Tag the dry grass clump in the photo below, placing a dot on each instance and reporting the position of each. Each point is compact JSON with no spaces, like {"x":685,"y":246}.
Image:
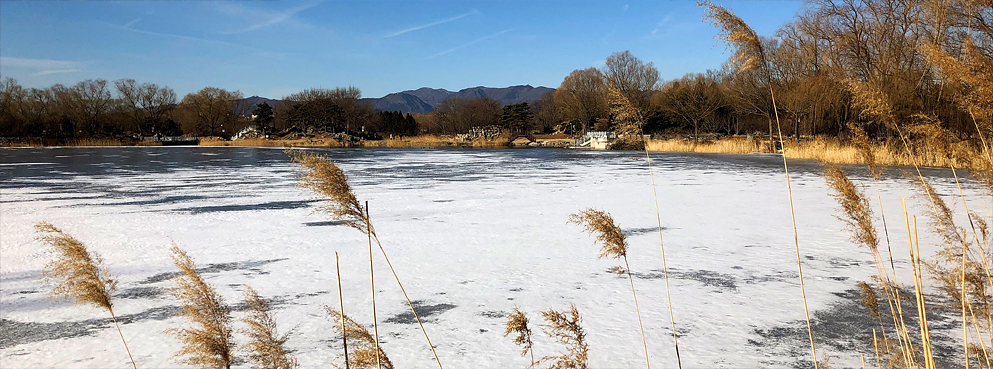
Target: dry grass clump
{"x":95,"y":142}
{"x":265,"y":346}
{"x":364,"y":352}
{"x":723,"y":146}
{"x":517,"y":323}
{"x":567,"y":329}
{"x":80,"y":276}
{"x":208,"y":344}
{"x":330,"y":183}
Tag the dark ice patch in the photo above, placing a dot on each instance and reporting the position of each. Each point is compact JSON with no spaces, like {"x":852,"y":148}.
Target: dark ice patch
{"x":493,"y":314}
{"x":846,"y":326}
{"x":423,"y":311}
{"x":329,"y":223}
{"x":139,"y":293}
{"x":640,"y":231}
{"x":19,"y":333}
{"x":721,"y":281}
{"x":274,"y":205}
{"x":252,"y":266}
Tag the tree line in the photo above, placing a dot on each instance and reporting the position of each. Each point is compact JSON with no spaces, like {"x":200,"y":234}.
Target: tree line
{"x":837,"y":63}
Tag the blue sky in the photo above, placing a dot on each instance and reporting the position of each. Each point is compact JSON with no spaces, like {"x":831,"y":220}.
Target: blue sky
{"x":274,"y":48}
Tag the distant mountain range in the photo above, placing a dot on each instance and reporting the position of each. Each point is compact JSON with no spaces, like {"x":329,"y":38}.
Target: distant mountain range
{"x":424,"y":99}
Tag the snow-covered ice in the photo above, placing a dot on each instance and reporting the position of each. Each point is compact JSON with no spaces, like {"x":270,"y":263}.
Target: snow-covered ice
{"x":472,"y":234}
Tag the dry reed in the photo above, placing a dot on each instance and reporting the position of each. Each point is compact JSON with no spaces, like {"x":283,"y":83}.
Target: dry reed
{"x":265,"y":345}
{"x":749,"y":54}
{"x":325,"y":178}
{"x":517,"y":323}
{"x":365,"y":351}
{"x":80,"y":275}
{"x":614,"y":246}
{"x":566,"y":328}
{"x":855,"y":206}
{"x":330,"y":183}
{"x":208,"y":344}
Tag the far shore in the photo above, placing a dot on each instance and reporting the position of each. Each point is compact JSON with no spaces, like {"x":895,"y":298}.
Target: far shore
{"x":826,"y":149}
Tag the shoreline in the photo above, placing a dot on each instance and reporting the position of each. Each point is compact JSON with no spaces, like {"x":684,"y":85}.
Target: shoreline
{"x":825,"y":149}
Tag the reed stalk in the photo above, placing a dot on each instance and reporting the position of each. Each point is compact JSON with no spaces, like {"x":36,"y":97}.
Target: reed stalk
{"x":665,"y":266}
{"x":341,"y":314}
{"x":614,"y":246}
{"x":372,"y":288}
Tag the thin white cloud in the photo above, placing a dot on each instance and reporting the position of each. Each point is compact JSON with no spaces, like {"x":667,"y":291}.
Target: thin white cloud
{"x":470,"y":43}
{"x":659,"y":27}
{"x":38,"y":64}
{"x":131,"y":23}
{"x":170,"y":35}
{"x":626,"y":6}
{"x":47,"y":72}
{"x":275,"y":18}
{"x":423,"y":26}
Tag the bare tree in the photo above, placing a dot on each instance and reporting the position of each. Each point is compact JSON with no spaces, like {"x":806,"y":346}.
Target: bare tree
{"x":211,"y":109}
{"x":582,"y":98}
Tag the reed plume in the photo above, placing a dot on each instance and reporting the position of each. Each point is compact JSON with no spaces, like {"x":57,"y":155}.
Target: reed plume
{"x":601,"y":224}
{"x":208,"y":343}
{"x":614,"y":246}
{"x":566,"y":328}
{"x":866,"y":150}
{"x":80,"y":275}
{"x":330,"y":183}
{"x":855,"y":206}
{"x":517,"y":323}
{"x":747,"y":52}
{"x":364,"y":352}
{"x":265,"y":345}
{"x":869,"y":298}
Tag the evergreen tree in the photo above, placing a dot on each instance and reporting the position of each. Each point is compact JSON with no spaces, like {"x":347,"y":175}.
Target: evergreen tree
{"x":263,"y":117}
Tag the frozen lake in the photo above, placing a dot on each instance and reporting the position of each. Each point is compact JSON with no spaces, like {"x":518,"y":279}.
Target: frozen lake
{"x":472,"y":234}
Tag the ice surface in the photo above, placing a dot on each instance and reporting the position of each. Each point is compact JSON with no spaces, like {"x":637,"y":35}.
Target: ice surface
{"x":472,"y":234}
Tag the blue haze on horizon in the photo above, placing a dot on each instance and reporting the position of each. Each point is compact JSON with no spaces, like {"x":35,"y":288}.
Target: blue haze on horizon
{"x":274,"y":48}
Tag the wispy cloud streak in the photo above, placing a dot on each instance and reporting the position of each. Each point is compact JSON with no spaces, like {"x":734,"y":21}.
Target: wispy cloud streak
{"x":171,"y":35}
{"x":131,"y":23}
{"x":47,"y":72}
{"x":470,"y":43}
{"x":276,"y":18}
{"x":423,"y":26}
